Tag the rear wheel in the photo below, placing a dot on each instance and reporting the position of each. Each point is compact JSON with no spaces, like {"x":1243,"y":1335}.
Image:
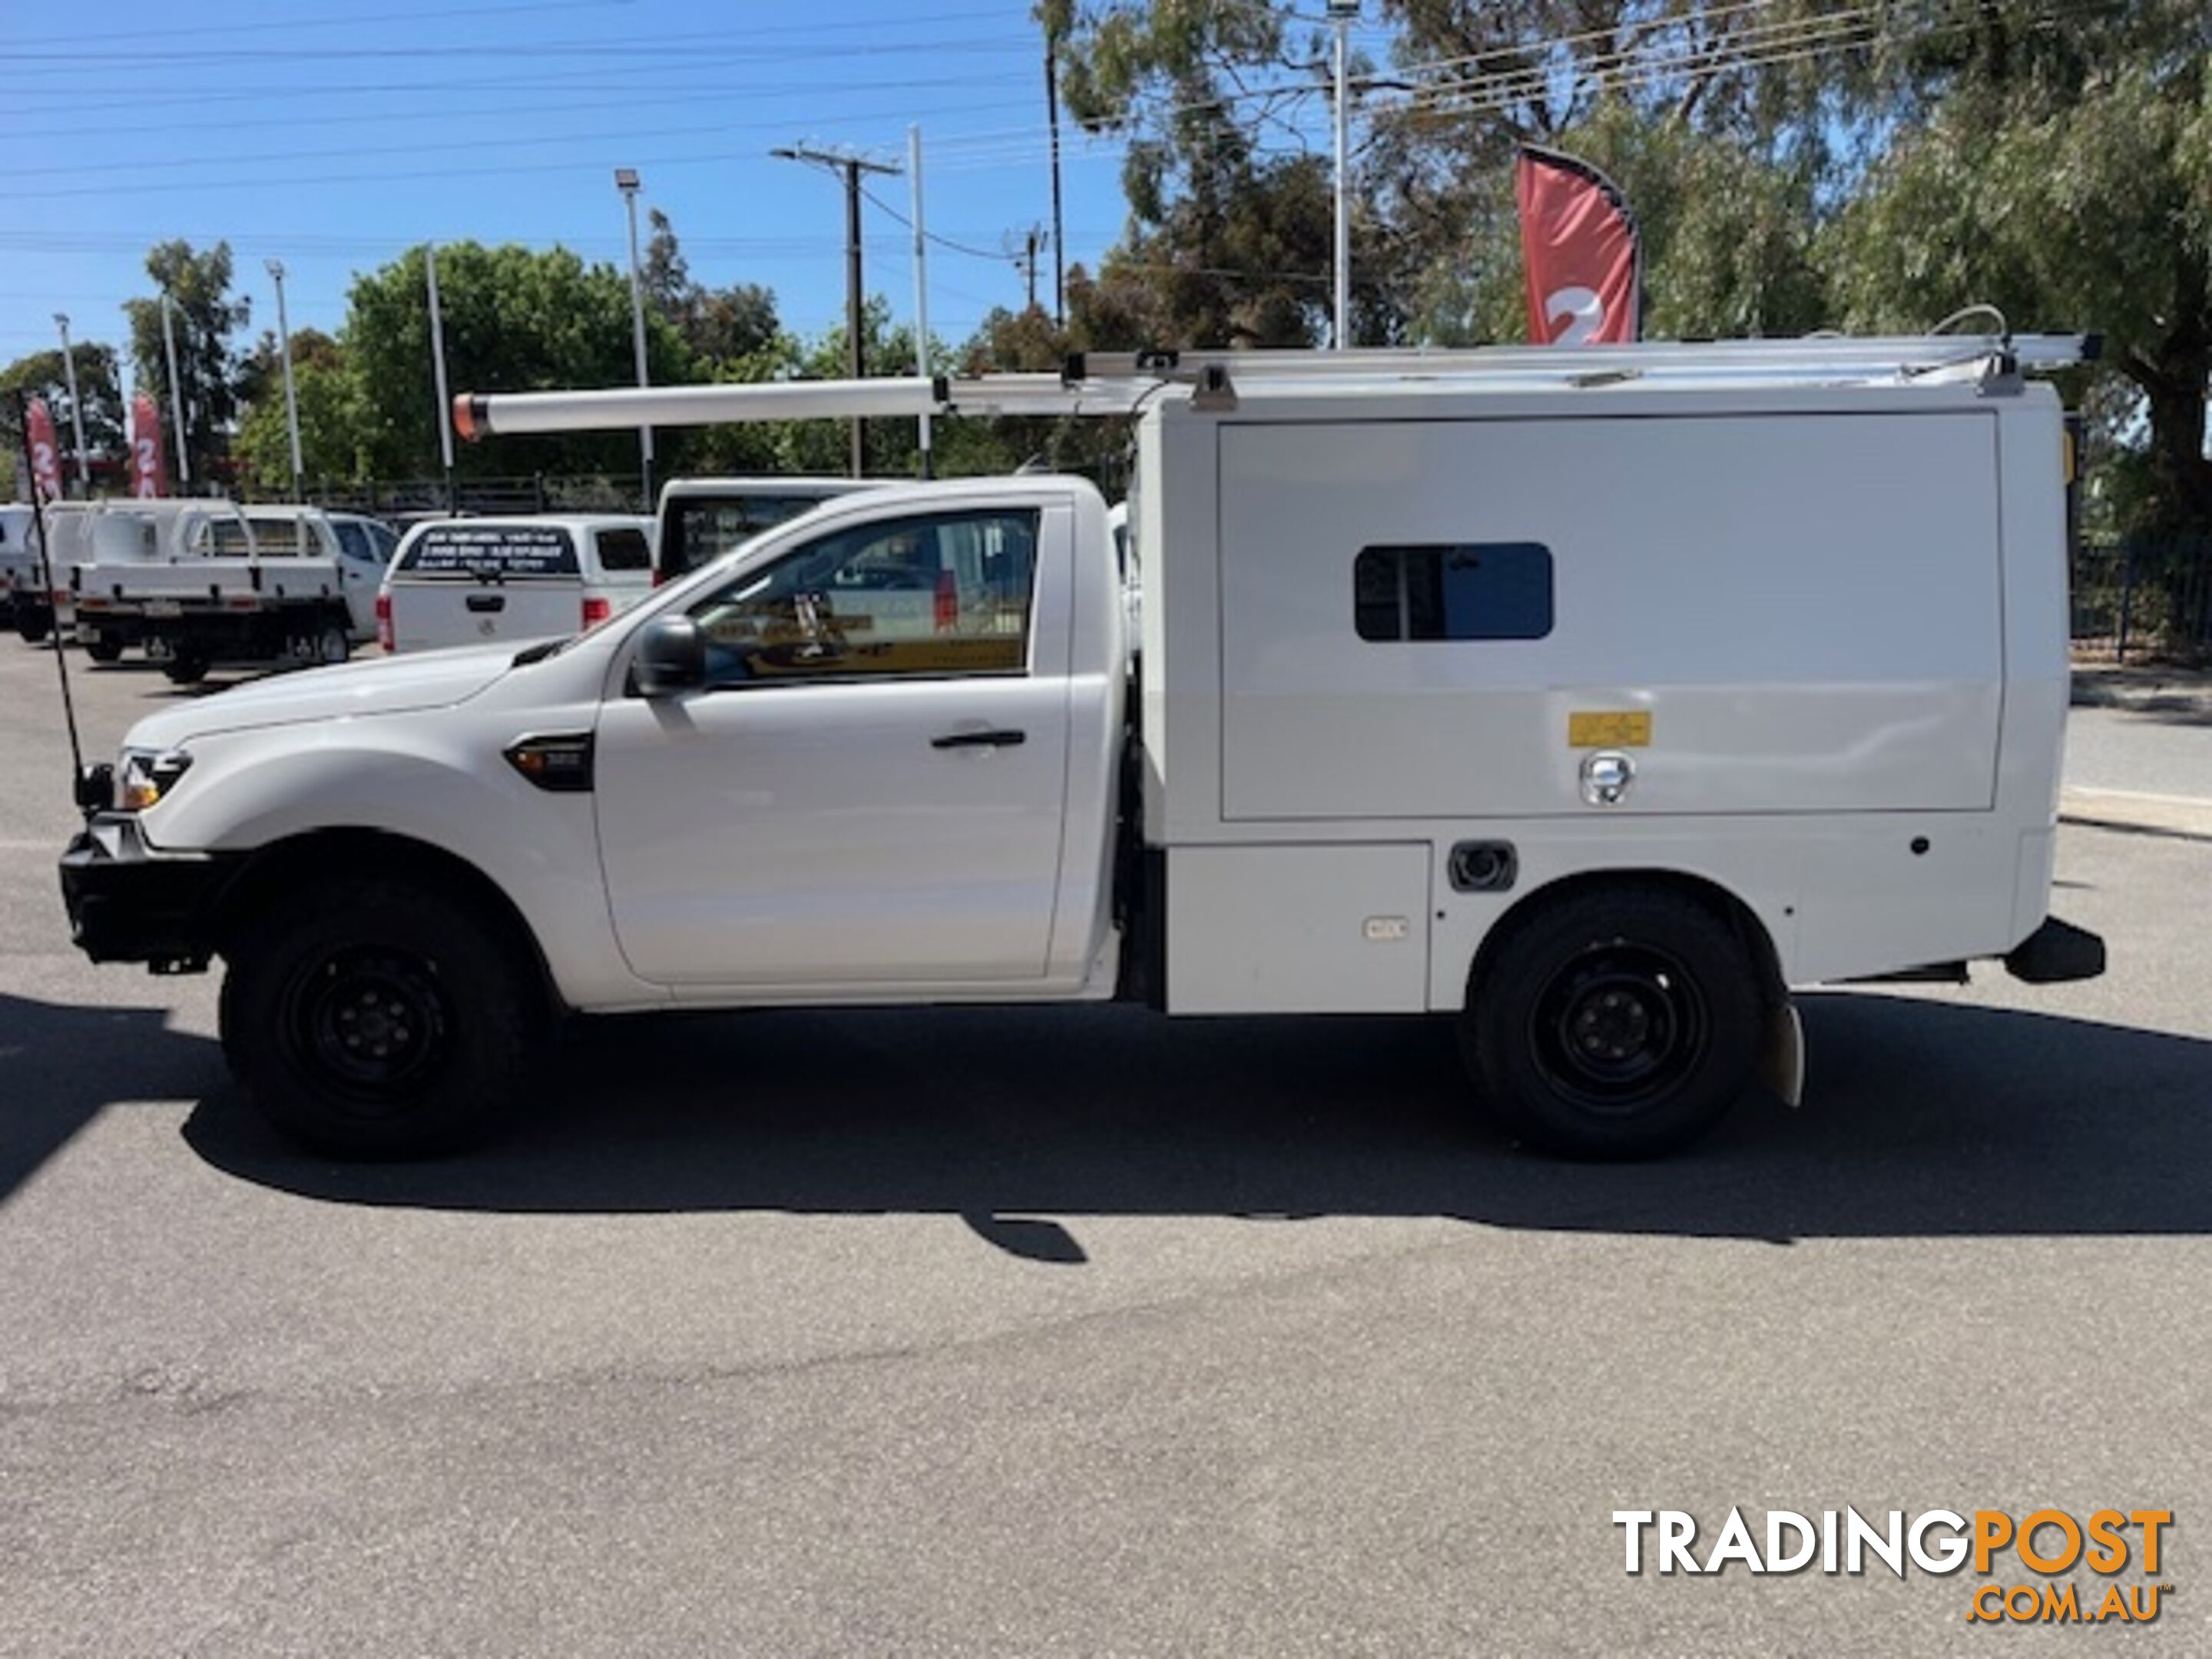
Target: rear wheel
{"x":331,"y":645}
{"x":32,"y":626}
{"x":186,"y":668}
{"x":1621,"y":1022}
{"x":382,"y":1019}
{"x":104,"y":650}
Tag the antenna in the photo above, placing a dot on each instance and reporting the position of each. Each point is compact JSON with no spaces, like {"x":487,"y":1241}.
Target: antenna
{"x":80,"y":790}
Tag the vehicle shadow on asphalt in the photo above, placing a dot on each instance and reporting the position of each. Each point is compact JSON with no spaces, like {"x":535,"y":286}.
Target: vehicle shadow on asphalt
{"x":60,"y":1066}
{"x":1924,"y":1117}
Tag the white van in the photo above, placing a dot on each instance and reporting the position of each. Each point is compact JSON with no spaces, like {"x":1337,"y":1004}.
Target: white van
{"x":468,"y":581}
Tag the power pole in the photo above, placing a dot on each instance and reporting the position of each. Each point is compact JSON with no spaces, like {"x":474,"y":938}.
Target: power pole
{"x":850,"y":166}
{"x":1025,"y":258}
{"x":1059,"y":236}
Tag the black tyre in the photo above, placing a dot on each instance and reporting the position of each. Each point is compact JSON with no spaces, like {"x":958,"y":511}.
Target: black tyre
{"x":32,"y":627}
{"x":382,"y":1019}
{"x":185,"y":668}
{"x":104,"y":650}
{"x":1617,"y":1023}
{"x":331,"y":645}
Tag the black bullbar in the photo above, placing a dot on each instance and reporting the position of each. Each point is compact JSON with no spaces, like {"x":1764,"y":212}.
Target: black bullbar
{"x":130,"y":903}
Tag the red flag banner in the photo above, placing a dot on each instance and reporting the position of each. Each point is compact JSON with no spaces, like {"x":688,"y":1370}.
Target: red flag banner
{"x":149,"y":471}
{"x":1579,"y":247}
{"x":45,"y":455}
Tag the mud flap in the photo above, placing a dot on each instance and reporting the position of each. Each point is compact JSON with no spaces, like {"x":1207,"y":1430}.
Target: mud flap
{"x":1781,"y":1063}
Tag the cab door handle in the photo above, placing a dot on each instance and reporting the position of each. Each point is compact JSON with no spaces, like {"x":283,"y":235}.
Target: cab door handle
{"x":1000,"y":739}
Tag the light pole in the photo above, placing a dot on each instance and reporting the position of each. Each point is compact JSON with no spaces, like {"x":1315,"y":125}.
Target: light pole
{"x":438,"y":369}
{"x":1340,"y":15}
{"x":291,"y":399}
{"x":626,"y":181}
{"x":176,"y":392}
{"x":921,"y":294}
{"x":77,"y":409}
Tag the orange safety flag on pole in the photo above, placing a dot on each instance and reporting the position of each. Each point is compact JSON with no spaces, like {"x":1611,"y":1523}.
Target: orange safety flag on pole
{"x":1578,"y":247}
{"x":149,"y":469}
{"x":46,"y":456}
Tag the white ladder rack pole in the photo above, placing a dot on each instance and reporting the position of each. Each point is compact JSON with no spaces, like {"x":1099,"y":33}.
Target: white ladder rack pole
{"x":1101,"y":384}
{"x":1897,"y":353}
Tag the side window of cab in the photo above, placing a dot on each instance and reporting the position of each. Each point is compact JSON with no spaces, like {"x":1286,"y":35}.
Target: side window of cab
{"x":928,"y":595}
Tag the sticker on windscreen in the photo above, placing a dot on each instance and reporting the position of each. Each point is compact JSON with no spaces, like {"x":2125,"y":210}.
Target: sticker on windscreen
{"x":494,"y":552}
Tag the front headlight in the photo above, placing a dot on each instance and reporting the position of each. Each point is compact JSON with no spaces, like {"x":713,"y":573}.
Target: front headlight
{"x":146,"y":775}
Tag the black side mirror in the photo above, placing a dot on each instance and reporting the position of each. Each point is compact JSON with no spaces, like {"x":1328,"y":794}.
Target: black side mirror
{"x":671,"y":658}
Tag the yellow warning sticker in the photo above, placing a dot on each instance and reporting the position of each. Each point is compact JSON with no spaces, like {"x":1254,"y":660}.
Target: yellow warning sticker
{"x":1609,"y":729}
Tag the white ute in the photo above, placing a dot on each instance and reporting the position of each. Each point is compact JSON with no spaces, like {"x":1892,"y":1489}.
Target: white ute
{"x":1591,"y":698}
{"x":462,"y":581}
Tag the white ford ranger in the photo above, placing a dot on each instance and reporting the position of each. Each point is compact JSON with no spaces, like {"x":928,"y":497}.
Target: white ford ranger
{"x":1424,"y":720}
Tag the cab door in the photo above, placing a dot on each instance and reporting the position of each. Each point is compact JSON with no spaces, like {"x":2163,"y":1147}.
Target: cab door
{"x":869,"y":790}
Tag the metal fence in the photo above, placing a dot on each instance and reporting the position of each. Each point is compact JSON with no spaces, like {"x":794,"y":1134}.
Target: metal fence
{"x":2142,"y":598}
{"x":411,"y":498}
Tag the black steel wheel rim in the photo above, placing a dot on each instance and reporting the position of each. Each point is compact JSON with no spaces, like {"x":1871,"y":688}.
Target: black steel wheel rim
{"x":1618,"y":1027}
{"x":370,"y":1022}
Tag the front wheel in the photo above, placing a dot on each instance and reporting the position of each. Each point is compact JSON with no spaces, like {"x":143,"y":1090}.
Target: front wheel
{"x":382,"y":1019}
{"x":1621,"y":1022}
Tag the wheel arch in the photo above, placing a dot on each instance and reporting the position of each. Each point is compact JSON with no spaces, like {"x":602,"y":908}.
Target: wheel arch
{"x":1739,"y":916}
{"x":269,"y":875}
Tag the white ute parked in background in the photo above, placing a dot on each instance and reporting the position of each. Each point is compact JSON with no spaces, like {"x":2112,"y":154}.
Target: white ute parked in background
{"x":1592,"y":698}
{"x":464,"y":581}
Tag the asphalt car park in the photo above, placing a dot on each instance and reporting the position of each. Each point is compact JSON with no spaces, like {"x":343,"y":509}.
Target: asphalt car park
{"x":1079,"y":1330}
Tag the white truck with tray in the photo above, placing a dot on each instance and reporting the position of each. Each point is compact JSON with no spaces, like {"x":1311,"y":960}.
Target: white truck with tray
{"x":268,"y":585}
{"x":1591,"y":699}
{"x":108,"y":539}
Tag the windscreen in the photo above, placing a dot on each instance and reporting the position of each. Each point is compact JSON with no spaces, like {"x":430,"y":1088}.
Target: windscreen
{"x":491,"y":552}
{"x":700,"y":528}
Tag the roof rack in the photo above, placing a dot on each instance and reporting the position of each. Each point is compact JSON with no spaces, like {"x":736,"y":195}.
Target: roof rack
{"x":1116,"y":383}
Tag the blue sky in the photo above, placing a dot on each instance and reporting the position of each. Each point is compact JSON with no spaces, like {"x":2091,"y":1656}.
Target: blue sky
{"x":333,"y":137}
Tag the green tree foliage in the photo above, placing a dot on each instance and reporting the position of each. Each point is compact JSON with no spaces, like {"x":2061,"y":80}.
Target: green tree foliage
{"x":334,"y":413}
{"x":1792,"y":164}
{"x":41,"y":375}
{"x":1228,"y":244}
{"x":204,"y":316}
{"x":2064,"y":175}
{"x":726,"y":330}
{"x":515,"y":320}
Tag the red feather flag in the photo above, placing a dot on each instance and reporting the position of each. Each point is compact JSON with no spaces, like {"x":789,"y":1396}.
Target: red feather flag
{"x":1579,"y":247}
{"x":149,"y":469}
{"x":45,"y":454}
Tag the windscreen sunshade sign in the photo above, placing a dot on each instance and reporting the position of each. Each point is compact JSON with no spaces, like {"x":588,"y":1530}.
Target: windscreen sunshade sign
{"x":1579,"y":247}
